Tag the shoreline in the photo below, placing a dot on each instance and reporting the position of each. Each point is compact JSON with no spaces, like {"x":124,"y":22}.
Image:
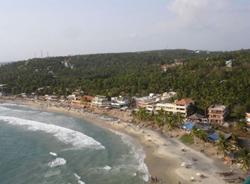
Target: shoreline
{"x":164,"y":155}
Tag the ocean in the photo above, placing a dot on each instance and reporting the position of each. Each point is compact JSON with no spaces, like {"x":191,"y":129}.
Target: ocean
{"x":38,"y":147}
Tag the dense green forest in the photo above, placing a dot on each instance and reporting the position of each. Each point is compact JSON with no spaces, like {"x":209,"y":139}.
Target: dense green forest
{"x":203,"y":76}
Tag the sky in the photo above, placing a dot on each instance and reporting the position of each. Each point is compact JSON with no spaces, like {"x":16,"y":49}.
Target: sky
{"x":36,"y":28}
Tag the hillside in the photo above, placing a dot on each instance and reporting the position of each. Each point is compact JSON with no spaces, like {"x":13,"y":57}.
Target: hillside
{"x":202,"y":76}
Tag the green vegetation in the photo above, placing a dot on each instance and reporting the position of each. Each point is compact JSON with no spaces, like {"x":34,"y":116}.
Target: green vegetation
{"x":187,"y":139}
{"x":161,"y":118}
{"x":203,"y":77}
{"x":201,"y":134}
{"x":244,"y":158}
{"x":223,"y":144}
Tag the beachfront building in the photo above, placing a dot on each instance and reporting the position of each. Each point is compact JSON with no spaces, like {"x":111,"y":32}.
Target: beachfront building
{"x":22,"y":95}
{"x":50,"y":97}
{"x":71,"y":97}
{"x":248,"y":118}
{"x":119,"y":102}
{"x":182,"y":106}
{"x":198,"y":118}
{"x":217,"y":114}
{"x":87,"y":98}
{"x":77,"y":104}
{"x":150,"y":108}
{"x":100,"y":101}
{"x":143,"y":102}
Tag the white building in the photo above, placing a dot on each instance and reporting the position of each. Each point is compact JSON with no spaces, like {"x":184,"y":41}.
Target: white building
{"x":143,"y":102}
{"x":150,"y":108}
{"x":180,"y":106}
{"x":248,"y":118}
{"x":119,"y":102}
{"x":100,"y":101}
{"x":51,"y":97}
{"x":71,"y":97}
{"x":23,"y":95}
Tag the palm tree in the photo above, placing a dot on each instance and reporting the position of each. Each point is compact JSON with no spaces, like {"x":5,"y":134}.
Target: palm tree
{"x":222,"y":144}
{"x":142,"y":114}
{"x":194,"y":134}
{"x":170,"y":121}
{"x":179,"y":119}
{"x":160,"y":117}
{"x":201,"y":134}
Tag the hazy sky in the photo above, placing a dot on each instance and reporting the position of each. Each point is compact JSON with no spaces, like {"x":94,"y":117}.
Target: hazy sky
{"x":67,"y":27}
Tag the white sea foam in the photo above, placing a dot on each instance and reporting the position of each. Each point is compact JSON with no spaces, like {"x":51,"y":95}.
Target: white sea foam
{"x":107,"y":168}
{"x":138,"y":153}
{"x":76,"y":139}
{"x":57,"y":162}
{"x":79,"y":181}
{"x":77,"y":176}
{"x":2,"y":108}
{"x":53,"y":154}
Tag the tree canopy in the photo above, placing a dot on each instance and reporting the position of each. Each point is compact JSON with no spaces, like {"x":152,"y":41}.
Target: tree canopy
{"x":203,"y":77}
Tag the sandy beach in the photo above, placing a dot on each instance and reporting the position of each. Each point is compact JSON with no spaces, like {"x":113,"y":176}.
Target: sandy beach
{"x":167,"y":158}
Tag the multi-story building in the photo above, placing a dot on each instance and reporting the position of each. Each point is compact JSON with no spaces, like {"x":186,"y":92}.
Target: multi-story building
{"x":87,"y":98}
{"x":120,"y":101}
{"x":143,"y":102}
{"x":100,"y":101}
{"x":217,"y":114}
{"x":179,"y":106}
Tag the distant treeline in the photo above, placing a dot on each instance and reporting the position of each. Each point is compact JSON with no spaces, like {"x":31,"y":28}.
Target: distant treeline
{"x":203,"y":76}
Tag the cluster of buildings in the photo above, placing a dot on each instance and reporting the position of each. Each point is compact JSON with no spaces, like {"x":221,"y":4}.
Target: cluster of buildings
{"x":156,"y":102}
{"x":216,"y":114}
{"x":113,"y":102}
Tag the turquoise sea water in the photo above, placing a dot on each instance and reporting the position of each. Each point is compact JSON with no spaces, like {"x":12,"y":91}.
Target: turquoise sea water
{"x":51,"y":148}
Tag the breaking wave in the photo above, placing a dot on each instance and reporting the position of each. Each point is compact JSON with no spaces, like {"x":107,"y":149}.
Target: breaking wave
{"x":2,"y":108}
{"x":53,"y":154}
{"x":138,"y":154}
{"x":57,"y":162}
{"x":79,"y":181}
{"x":76,"y":139}
{"x":107,"y":168}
